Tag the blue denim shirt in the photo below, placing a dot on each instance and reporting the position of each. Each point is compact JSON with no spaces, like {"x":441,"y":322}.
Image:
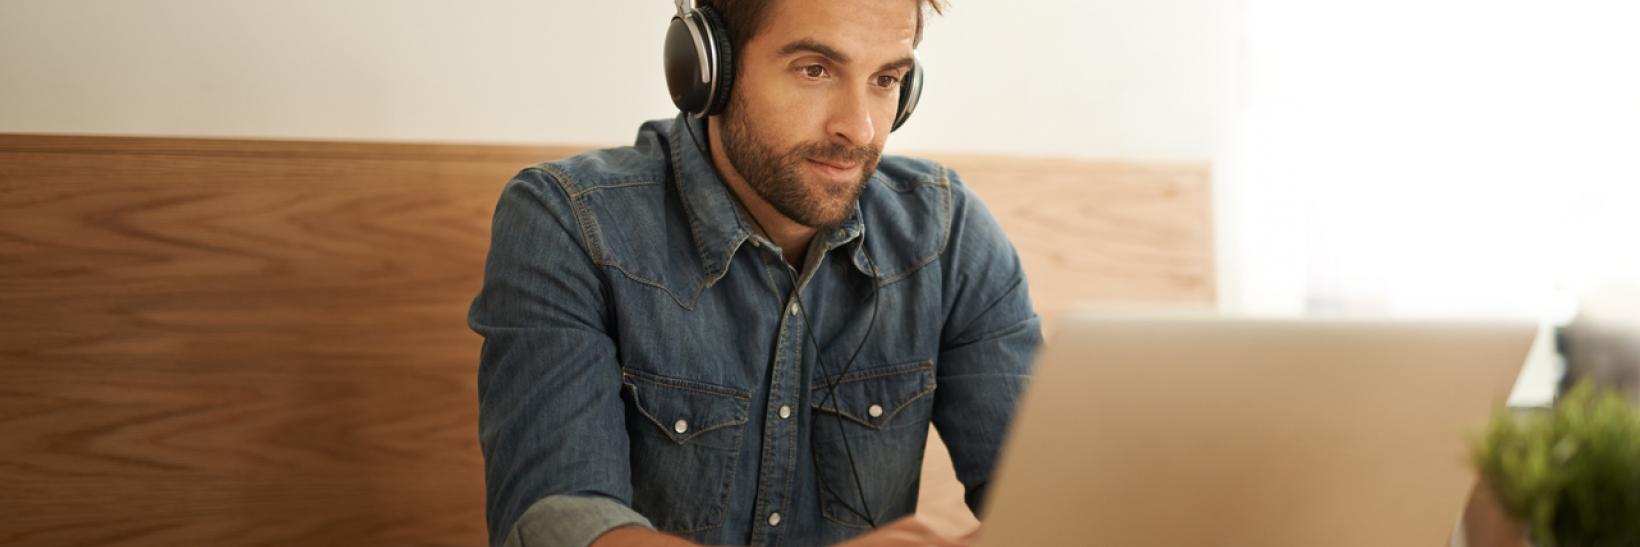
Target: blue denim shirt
{"x":645,"y":364}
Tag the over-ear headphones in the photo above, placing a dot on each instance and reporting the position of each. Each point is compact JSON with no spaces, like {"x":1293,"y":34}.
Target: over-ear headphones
{"x":700,"y":65}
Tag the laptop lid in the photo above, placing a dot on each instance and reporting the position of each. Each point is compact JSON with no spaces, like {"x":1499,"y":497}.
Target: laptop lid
{"x":1233,"y":432}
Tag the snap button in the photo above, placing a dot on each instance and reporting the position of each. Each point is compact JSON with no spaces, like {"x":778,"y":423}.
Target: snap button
{"x":785,"y":411}
{"x":774,"y":519}
{"x":680,"y":426}
{"x":876,"y":411}
{"x":792,"y":309}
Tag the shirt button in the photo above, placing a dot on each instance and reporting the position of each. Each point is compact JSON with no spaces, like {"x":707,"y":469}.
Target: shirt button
{"x":785,"y":411}
{"x":876,"y":411}
{"x":774,"y":519}
{"x":680,"y":426}
{"x":792,"y":309}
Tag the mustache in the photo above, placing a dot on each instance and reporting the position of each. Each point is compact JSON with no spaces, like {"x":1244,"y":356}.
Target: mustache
{"x":838,"y":154}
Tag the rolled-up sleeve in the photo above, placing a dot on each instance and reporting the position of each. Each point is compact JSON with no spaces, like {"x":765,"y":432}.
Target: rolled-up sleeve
{"x":571,"y":520}
{"x":990,"y":336}
{"x":551,"y":420}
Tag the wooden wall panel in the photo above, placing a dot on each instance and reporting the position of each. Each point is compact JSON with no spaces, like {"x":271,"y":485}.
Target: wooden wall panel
{"x":239,"y":342}
{"x":243,"y":342}
{"x":1102,"y":234}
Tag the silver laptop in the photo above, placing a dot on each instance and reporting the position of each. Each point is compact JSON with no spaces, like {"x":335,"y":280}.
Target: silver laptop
{"x":1156,"y":431}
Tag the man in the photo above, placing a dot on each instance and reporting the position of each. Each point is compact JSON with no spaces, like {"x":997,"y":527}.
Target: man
{"x":738,"y":330}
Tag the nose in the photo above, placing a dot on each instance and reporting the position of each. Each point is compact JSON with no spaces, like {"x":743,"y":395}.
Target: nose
{"x":851,"y":118}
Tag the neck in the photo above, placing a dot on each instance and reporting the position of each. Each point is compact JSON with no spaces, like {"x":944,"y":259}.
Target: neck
{"x":792,"y":238}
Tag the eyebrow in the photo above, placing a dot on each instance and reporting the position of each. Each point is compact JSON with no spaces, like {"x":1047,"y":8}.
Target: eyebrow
{"x":811,"y":45}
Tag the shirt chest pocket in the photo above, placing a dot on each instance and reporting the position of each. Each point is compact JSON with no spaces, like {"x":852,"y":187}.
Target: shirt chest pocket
{"x":685,"y":439}
{"x":880,"y":417}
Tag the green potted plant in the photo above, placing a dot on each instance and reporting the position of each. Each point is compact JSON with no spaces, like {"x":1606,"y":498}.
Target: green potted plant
{"x":1570,"y":475}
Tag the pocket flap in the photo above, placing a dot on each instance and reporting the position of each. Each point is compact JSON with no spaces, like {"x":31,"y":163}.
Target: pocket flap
{"x":873,"y":397}
{"x":683,"y":409}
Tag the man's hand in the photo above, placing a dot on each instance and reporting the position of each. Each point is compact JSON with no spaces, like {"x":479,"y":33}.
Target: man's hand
{"x":638,"y":537}
{"x":910,"y":530}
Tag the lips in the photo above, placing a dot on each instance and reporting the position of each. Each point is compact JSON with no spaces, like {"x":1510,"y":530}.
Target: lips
{"x":833,"y":169}
{"x":836,"y":165}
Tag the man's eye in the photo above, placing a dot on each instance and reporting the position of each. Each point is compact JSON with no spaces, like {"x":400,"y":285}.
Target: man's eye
{"x":888,"y":81}
{"x":814,"y":71}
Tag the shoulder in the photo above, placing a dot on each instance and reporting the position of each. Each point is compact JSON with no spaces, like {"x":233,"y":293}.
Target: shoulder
{"x":922,"y":184}
{"x":642,"y":163}
{"x":583,"y":191}
{"x":576,"y":189}
{"x":622,"y":210}
{"x":916,"y":206}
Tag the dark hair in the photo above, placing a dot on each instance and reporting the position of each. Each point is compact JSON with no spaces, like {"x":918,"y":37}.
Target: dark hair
{"x":745,"y":17}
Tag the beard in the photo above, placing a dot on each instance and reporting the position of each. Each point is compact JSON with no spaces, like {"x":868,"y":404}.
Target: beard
{"x":780,"y":177}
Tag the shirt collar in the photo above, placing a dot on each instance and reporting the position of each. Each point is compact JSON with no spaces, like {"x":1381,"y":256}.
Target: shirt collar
{"x":715,"y":220}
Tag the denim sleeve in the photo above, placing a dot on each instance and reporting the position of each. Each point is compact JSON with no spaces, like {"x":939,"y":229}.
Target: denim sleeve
{"x":571,"y":520}
{"x":987,"y":343}
{"x":550,"y":421}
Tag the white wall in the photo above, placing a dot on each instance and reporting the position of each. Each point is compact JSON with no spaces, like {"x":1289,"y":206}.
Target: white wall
{"x":1453,"y":159}
{"x":1093,"y":79}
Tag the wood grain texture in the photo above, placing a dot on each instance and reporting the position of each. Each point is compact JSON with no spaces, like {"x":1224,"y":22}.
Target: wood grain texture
{"x":240,"y":342}
{"x":1102,"y":234}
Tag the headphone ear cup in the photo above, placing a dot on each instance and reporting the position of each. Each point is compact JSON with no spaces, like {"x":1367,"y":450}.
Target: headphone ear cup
{"x":723,"y":60}
{"x":910,"y":92}
{"x":688,"y":74}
